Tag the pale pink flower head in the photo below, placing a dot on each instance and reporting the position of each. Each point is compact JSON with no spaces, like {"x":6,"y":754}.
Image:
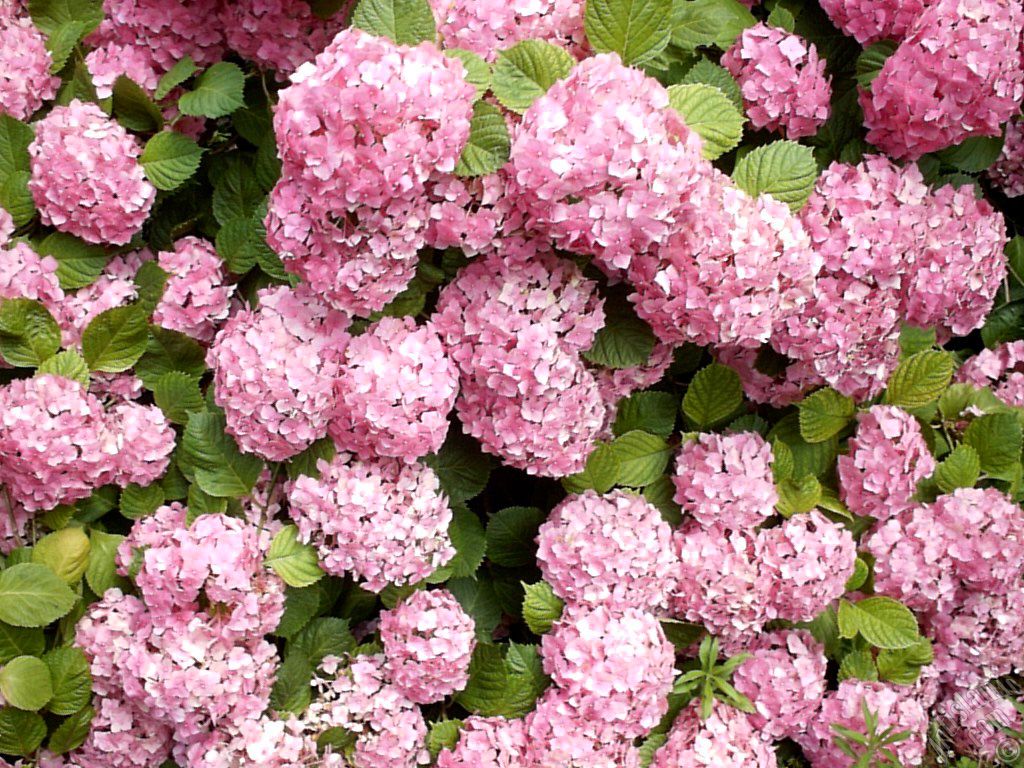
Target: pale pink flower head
{"x":428,"y":642}
{"x":486,"y":27}
{"x":86,"y":178}
{"x":782,"y":80}
{"x":145,"y":441}
{"x":886,"y":460}
{"x":613,"y":550}
{"x":487,"y":742}
{"x":1001,"y":369}
{"x":113,"y":60}
{"x":725,"y":481}
{"x":274,"y":371}
{"x":197,"y":296}
{"x":121,"y":736}
{"x":1007,"y":172}
{"x":869,"y":21}
{"x":726,"y":739}
{"x":24,"y":274}
{"x":25,"y":79}
{"x":384,"y":521}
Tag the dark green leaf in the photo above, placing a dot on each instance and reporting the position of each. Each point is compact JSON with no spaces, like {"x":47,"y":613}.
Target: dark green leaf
{"x":170,"y":160}
{"x":218,"y":92}
{"x":220,"y":468}
{"x":72,"y":682}
{"x":406,"y":22}
{"x":461,"y":466}
{"x":488,"y":146}
{"x":135,"y":110}
{"x":510,"y":536}
{"x":21,"y":732}
{"x":713,"y":396}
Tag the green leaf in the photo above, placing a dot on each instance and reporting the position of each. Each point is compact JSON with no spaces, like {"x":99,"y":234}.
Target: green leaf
{"x":710,"y":113}
{"x":300,"y":605}
{"x":478,"y":71}
{"x":781,"y":18}
{"x":169,"y":351}
{"x":960,"y":469}
{"x":485,"y":692}
{"x":174,"y":77}
{"x":645,"y":753}
{"x":526,"y":679}
{"x":707,"y":72}
{"x":601,"y":471}
{"x":101,"y":574}
{"x":884,"y":622}
{"x":443,"y":734}
{"x":31,"y":595}
{"x":170,"y":160}
{"x":870,"y":62}
{"x":524,"y":72}
{"x":696,"y":23}
{"x":461,"y":466}
{"x":642,"y":458}
{"x":65,"y":552}
{"x":306,"y":462}
{"x":808,"y":458}
{"x":15,"y":137}
{"x":510,"y":536}
{"x":541,"y":607}
{"x":488,"y":146}
{"x":625,"y":340}
{"x":973,"y":154}
{"x":20,"y":641}
{"x":714,"y":394}
{"x":797,"y":496}
{"x":478,"y":598}
{"x":28,"y":333}
{"x":406,"y":22}
{"x":859,"y":577}
{"x":291,"y":691}
{"x":72,"y":733}
{"x":178,"y":396}
{"x":296,"y":563}
{"x":21,"y":732}
{"x":218,"y":92}
{"x":859,"y":665}
{"x":470,"y":543}
{"x":236,"y":194}
{"x":115,"y":339}
{"x":138,"y":501}
{"x":72,"y":682}
{"x":903,"y":666}
{"x":327,"y":636}
{"x":653,"y":412}
{"x":914,"y":340}
{"x":134,"y":109}
{"x":1004,"y":324}
{"x":823,"y":414}
{"x":220,"y":468}
{"x":16,"y":199}
{"x":50,"y":15}
{"x":996,"y":437}
{"x":150,"y":281}
{"x":78,"y":263}
{"x":660,"y":493}
{"x":920,"y":379}
{"x":637,"y":30}
{"x":62,"y":41}
{"x":783,"y":169}
{"x":25,"y":683}
{"x":201,"y":503}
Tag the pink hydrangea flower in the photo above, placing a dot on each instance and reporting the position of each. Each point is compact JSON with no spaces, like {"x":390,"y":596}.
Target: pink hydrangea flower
{"x":869,"y":21}
{"x":779,"y":383}
{"x":144,"y":442}
{"x":726,"y":481}
{"x":122,"y":737}
{"x":487,"y":742}
{"x":1001,"y":368}
{"x":975,"y":720}
{"x":727,"y":739}
{"x":887,"y":458}
{"x":782,"y":80}
{"x":395,"y":391}
{"x":386,"y":522}
{"x":113,"y":60}
{"x":428,"y":642}
{"x":613,"y":550}
{"x":115,"y":287}
{"x":957,"y":74}
{"x":196,"y":297}
{"x":560,"y":734}
{"x":486,"y":27}
{"x":25,"y":79}
{"x":274,"y":371}
{"x":86,"y":178}
{"x":24,"y":274}
{"x":1007,"y":172}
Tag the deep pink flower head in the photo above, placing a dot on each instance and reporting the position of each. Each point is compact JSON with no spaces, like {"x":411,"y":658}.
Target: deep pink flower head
{"x":731,"y":276}
{"x":872,"y":20}
{"x":395,"y":390}
{"x":562,"y":732}
{"x":25,"y":79}
{"x":274,"y":371}
{"x":603,"y":164}
{"x":486,"y":27}
{"x":277,"y":34}
{"x":196,"y":297}
{"x":727,"y":739}
{"x":613,"y":550}
{"x":726,"y":481}
{"x":24,"y":274}
{"x":384,"y":521}
{"x":782,"y":80}
{"x":86,"y":178}
{"x":1001,"y":368}
{"x":428,"y":642}
{"x":896,"y":706}
{"x":887,"y":458}
{"x":784,"y":679}
{"x":1007,"y":172}
{"x":957,"y":74}
{"x":487,"y":742}
{"x":360,"y":132}
{"x":145,"y":441}
{"x":974,"y":721}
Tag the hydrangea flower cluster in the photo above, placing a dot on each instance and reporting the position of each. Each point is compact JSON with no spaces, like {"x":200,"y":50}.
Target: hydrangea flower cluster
{"x":276,"y":34}
{"x":869,"y":21}
{"x":25,"y":79}
{"x":1008,"y":170}
{"x":487,"y":742}
{"x":726,"y":739}
{"x":1001,"y":368}
{"x":488,"y":27}
{"x":196,"y":297}
{"x":24,"y":274}
{"x":782,"y":80}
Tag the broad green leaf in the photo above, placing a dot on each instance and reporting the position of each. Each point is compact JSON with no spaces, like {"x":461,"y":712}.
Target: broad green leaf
{"x":72,"y":681}
{"x":443,"y":734}
{"x":478,"y":71}
{"x":20,"y":641}
{"x":101,"y":573}
{"x":653,"y":412}
{"x":134,"y":109}
{"x":625,"y":340}
{"x":797,"y":496}
{"x":178,"y":396}
{"x":697,"y":23}
{"x":645,"y":752}
{"x":660,"y":493}
{"x":115,"y":339}
{"x":217,"y":92}
{"x":486,"y":690}
{"x":174,"y":77}
{"x":300,"y":606}
{"x":220,"y":468}
{"x":808,"y":458}
{"x":973,"y":154}
{"x":170,"y":160}
{"x":50,"y":15}
{"x":823,"y":414}
{"x":78,"y":263}
{"x":296,"y":563}
{"x":884,"y":622}
{"x":65,"y":552}
{"x":326,"y":636}
{"x":25,"y":683}
{"x":15,"y":136}
{"x":960,"y":469}
{"x":201,"y":503}
{"x":903,"y":666}
{"x":461,"y":466}
{"x":169,"y":351}
{"x":524,"y":72}
{"x":707,"y":72}
{"x":642,"y":458}
{"x":783,"y":169}
{"x":1004,"y":324}
{"x":72,"y":733}
{"x":138,"y":501}
{"x":859,"y":665}
{"x":150,"y":281}
{"x":67,"y":363}
{"x":510,"y":536}
{"x":32,"y":595}
{"x":16,"y":199}
{"x":920,"y":379}
{"x":21,"y":732}
{"x":470,"y":543}
{"x":782,"y":18}
{"x":291,"y":691}
{"x":997,"y":439}
{"x":306,"y":462}
{"x":488,"y":146}
{"x":870,"y":62}
{"x":526,"y":679}
{"x":714,"y":394}
{"x":28,"y":333}
{"x":710,"y":113}
{"x":601,"y":471}
{"x":637,"y":30}
{"x":860,"y":575}
{"x":236,"y":194}
{"x":541,"y":608}
{"x":406,"y":22}
{"x":62,"y":41}
{"x":914,"y":340}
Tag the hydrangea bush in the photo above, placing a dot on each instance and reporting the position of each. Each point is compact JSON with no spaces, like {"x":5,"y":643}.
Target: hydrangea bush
{"x":524,"y":384}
